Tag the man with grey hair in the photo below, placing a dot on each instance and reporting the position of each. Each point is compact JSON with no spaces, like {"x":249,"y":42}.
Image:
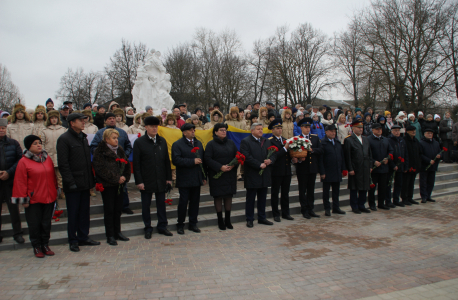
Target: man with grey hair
{"x":254,"y":147}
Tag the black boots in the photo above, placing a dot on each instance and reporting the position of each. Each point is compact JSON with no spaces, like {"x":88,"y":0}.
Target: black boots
{"x":227,"y":220}
{"x":221,"y":224}
{"x":226,"y":223}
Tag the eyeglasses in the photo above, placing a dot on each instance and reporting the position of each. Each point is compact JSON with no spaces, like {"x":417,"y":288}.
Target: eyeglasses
{"x":222,"y":130}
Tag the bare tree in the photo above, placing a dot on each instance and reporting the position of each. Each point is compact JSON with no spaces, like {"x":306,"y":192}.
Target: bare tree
{"x":122,"y":69}
{"x":82,"y":88}
{"x":9,"y":92}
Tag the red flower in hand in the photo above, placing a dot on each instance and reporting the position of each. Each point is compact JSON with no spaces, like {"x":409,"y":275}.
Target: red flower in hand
{"x":139,"y":134}
{"x":391,"y":156}
{"x":195,"y":149}
{"x":284,"y":142}
{"x":399,"y":158}
{"x":99,"y":187}
{"x":414,"y":170}
{"x":445,"y":149}
{"x":402,"y":160}
{"x":372,"y":185}
{"x":344,"y":173}
{"x":273,"y":148}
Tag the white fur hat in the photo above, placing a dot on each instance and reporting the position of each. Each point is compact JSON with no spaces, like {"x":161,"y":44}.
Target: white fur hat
{"x":401,"y":114}
{"x":410,"y":115}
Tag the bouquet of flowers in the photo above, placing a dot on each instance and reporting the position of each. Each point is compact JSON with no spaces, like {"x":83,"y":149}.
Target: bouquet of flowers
{"x":271,"y":150}
{"x":400,"y":161}
{"x":443,"y":150}
{"x":57,"y":213}
{"x":390,"y":156}
{"x":238,"y":160}
{"x":99,"y":187}
{"x":195,"y":150}
{"x":298,"y":146}
{"x":122,"y":165}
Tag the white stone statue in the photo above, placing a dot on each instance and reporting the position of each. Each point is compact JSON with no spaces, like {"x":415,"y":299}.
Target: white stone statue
{"x":152,"y":85}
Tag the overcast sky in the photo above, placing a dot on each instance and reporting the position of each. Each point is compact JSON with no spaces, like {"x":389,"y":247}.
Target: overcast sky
{"x":40,"y":40}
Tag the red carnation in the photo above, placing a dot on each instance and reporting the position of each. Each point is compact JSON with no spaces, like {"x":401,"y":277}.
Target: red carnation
{"x":195,"y":149}
{"x":391,"y":156}
{"x":273,"y":148}
{"x":402,"y":160}
{"x":302,"y":147}
{"x":290,"y":142}
{"x":295,"y":138}
{"x":372,"y":185}
{"x":139,"y":134}
{"x":445,"y":149}
{"x":284,"y":142}
{"x":344,"y":173}
{"x":414,"y":170}
{"x":99,"y":187}
{"x":399,"y":158}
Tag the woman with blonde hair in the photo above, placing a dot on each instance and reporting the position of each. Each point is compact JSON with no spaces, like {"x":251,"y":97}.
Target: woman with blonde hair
{"x":112,"y":171}
{"x":170,"y":122}
{"x":343,"y":129}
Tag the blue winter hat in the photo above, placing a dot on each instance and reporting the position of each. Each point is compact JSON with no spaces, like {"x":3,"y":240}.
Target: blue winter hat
{"x":86,"y":105}
{"x":367,"y":114}
{"x":49,"y":100}
{"x":294,"y":110}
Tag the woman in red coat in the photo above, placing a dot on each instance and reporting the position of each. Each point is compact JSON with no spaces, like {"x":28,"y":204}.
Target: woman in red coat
{"x":35,"y":187}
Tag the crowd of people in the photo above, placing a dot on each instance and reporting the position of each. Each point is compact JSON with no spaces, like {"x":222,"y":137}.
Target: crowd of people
{"x":46,"y":156}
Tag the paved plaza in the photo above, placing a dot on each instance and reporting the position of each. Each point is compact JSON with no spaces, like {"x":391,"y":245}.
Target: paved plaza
{"x":404,"y":253}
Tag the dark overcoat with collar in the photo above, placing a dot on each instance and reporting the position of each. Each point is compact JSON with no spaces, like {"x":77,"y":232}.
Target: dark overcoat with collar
{"x":255,"y":154}
{"x":332,"y":161}
{"x":358,"y":158}
{"x":188,"y":173}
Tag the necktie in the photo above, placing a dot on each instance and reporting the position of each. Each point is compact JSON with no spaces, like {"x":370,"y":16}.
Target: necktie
{"x":332,"y":140}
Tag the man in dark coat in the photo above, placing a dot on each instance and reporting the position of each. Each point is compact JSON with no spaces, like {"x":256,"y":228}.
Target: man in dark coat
{"x":381,"y":150}
{"x":358,"y":160}
{"x":254,"y":147}
{"x":332,"y":167}
{"x":412,"y":167}
{"x":152,"y":172}
{"x":430,"y":155}
{"x":124,"y":142}
{"x":190,"y":176}
{"x":10,"y":154}
{"x":281,"y":172}
{"x":74,"y":161}
{"x":306,"y":170}
{"x":398,"y":144}
{"x":64,"y":111}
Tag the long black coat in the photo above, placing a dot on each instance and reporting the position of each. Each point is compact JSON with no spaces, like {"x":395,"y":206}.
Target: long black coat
{"x":255,"y":154}
{"x":151,"y":163}
{"x":310,"y":164}
{"x":413,"y":152}
{"x":399,"y":150}
{"x":429,"y":150}
{"x":74,"y":161}
{"x":217,"y":154}
{"x":10,"y":154}
{"x":282,"y":165}
{"x":107,"y":169}
{"x":188,"y":173}
{"x":332,"y":161}
{"x":358,"y":158}
{"x":380,"y":149}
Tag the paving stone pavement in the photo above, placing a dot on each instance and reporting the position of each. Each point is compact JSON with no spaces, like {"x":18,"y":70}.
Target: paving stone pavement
{"x":404,"y":253}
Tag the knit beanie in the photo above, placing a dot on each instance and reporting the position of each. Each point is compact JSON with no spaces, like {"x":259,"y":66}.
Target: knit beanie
{"x":436,"y":116}
{"x":148,"y":107}
{"x":49,"y":100}
{"x":387,"y":113}
{"x":28,"y":140}
{"x":420,"y":113}
{"x":410,"y":115}
{"x":194,"y":117}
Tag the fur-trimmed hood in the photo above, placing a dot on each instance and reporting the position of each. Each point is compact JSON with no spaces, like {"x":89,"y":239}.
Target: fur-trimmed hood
{"x":40,"y":108}
{"x":215,"y":111}
{"x":189,"y":120}
{"x":53,"y":113}
{"x":19,"y":107}
{"x":283,"y":114}
{"x":170,"y":117}
{"x":136,"y":117}
{"x":231,"y":111}
{"x":260,"y":113}
{"x":120,"y":112}
{"x":111,"y":104}
{"x":144,"y":116}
